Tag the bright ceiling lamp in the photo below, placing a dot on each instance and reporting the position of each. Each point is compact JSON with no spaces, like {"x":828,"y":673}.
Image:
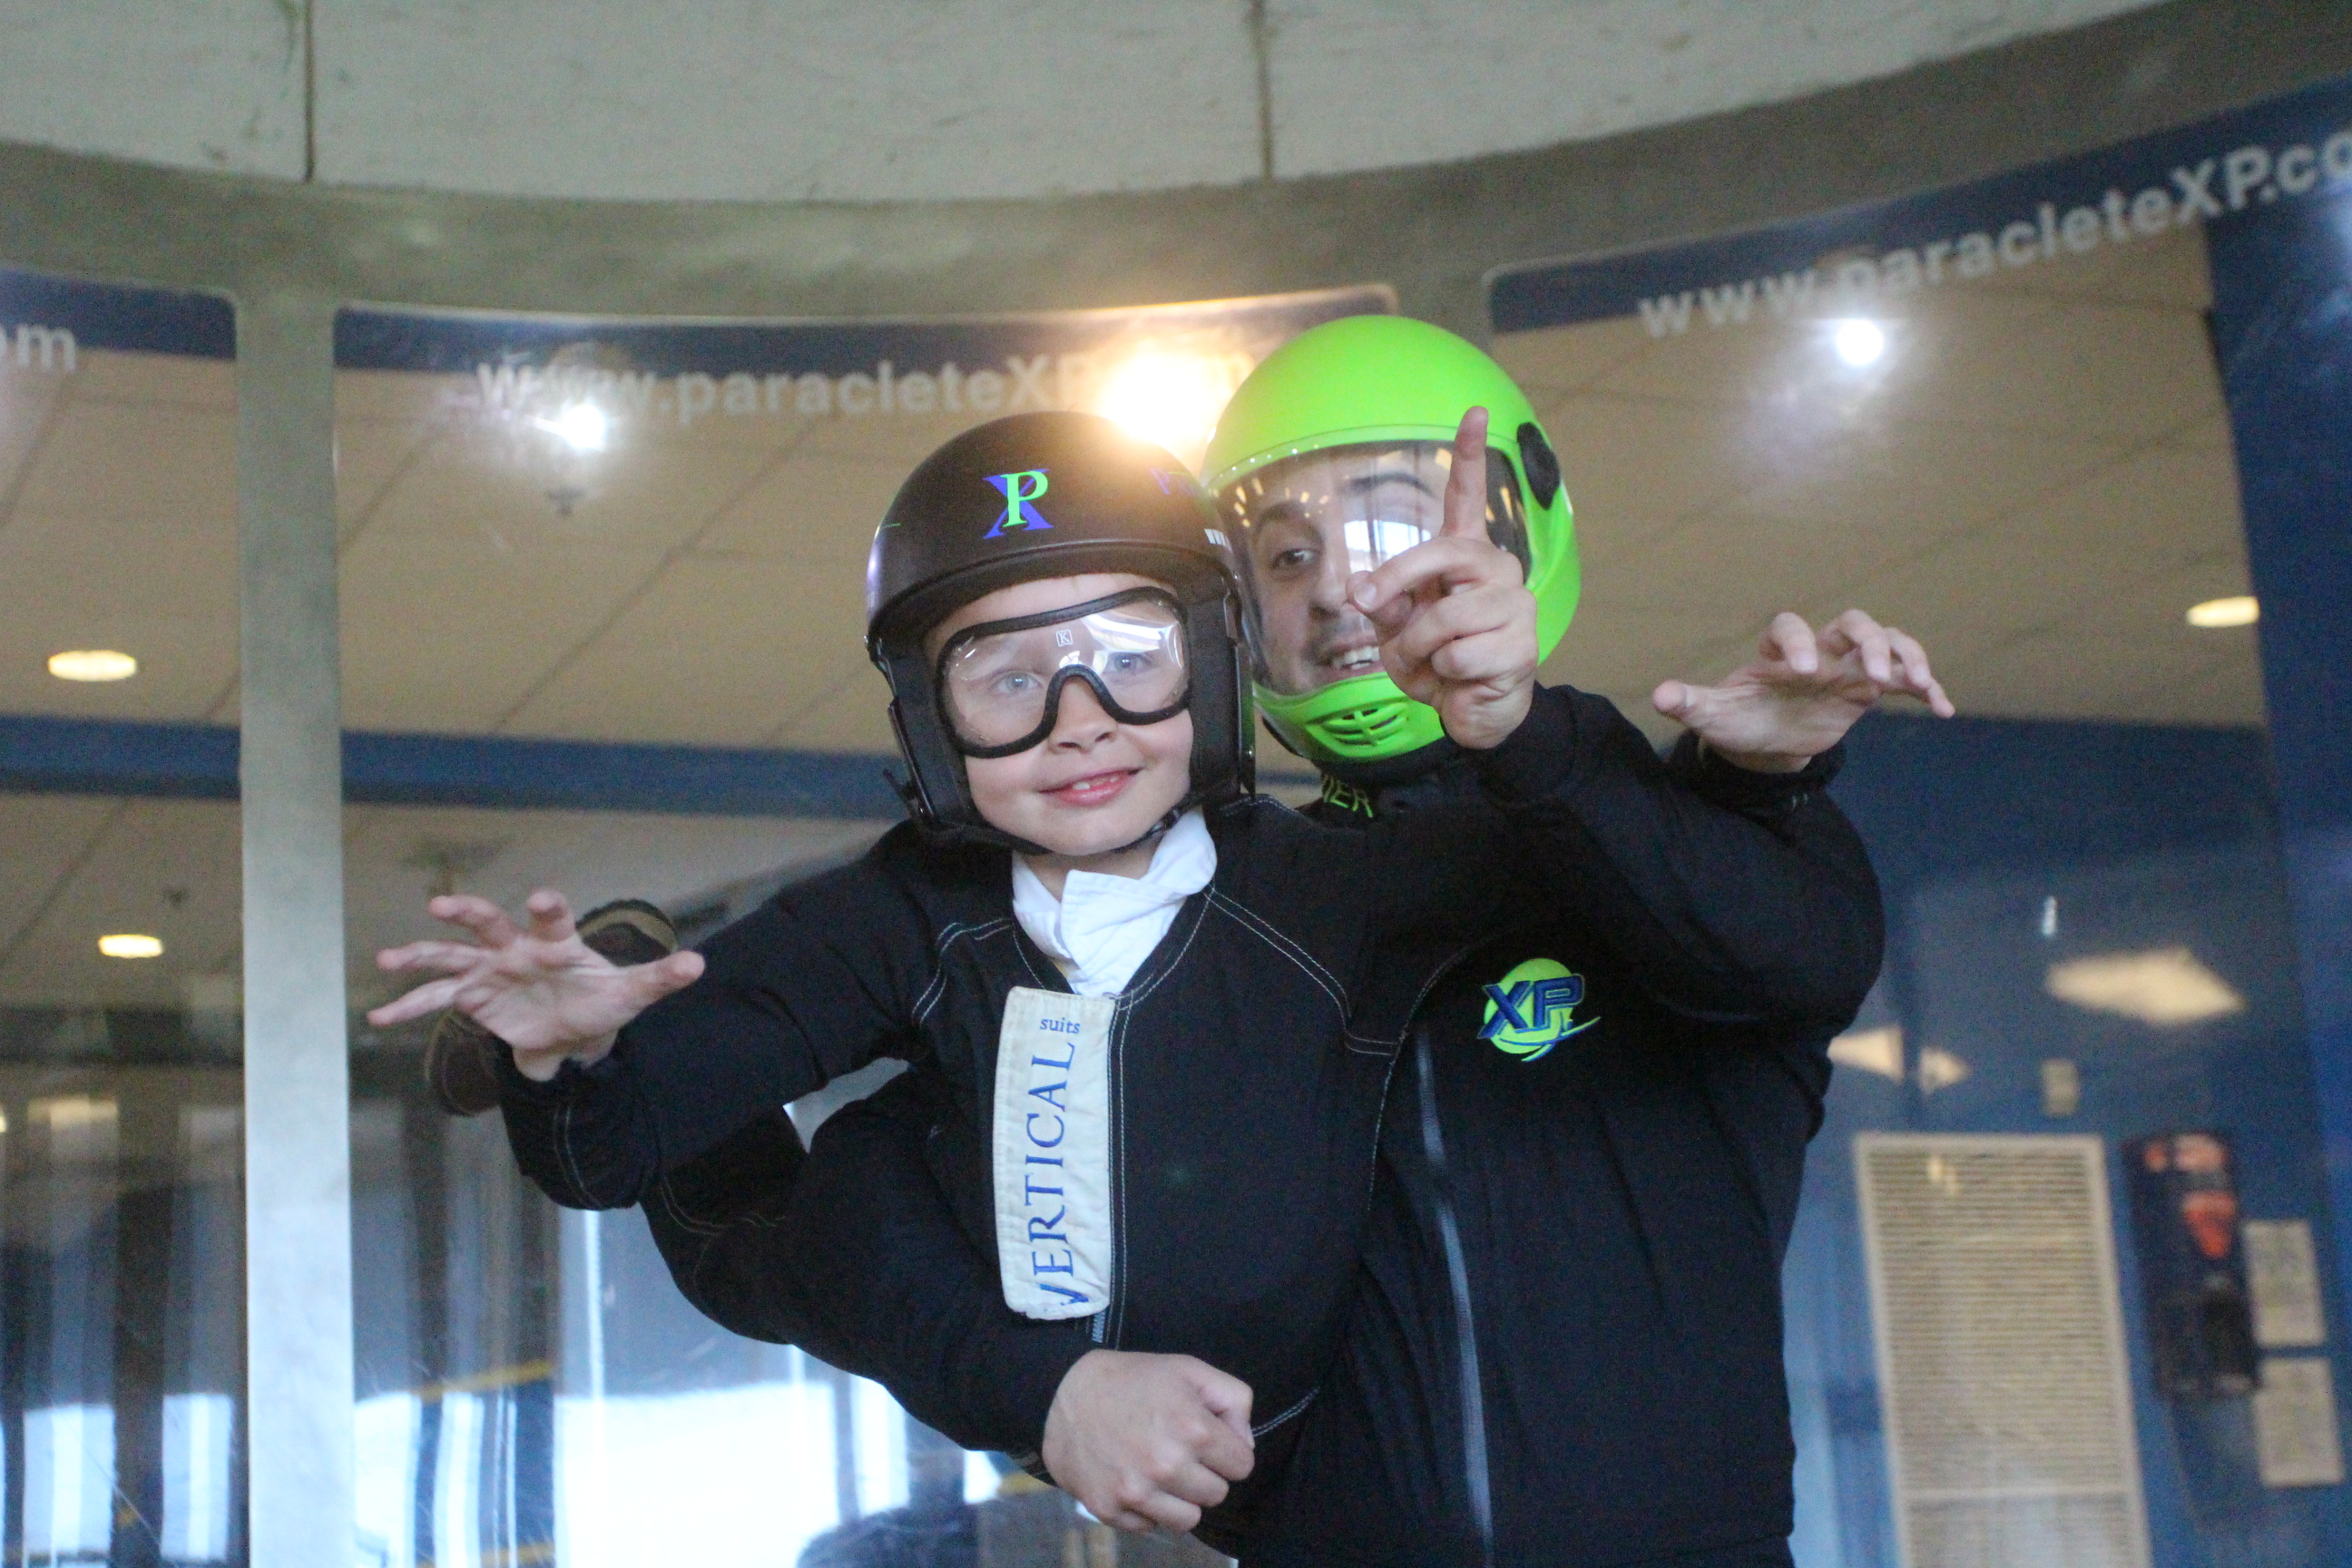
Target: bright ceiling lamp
{"x":1859,"y":342}
{"x":131,"y":944}
{"x":582,"y":426}
{"x":2166,"y":986}
{"x":1939,"y":1068}
{"x":1170,"y":399}
{"x":2237,"y":610}
{"x":1878,"y":1050}
{"x":92,"y":664}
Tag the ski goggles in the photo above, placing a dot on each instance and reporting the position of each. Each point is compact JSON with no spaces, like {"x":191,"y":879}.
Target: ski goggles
{"x":1000,"y":683}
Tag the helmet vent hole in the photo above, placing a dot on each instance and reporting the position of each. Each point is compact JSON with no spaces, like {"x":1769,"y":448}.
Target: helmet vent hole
{"x":1540,"y":463}
{"x":1367,"y":726}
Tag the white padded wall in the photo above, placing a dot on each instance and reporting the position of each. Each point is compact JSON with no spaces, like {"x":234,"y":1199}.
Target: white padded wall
{"x":211,"y":84}
{"x":824,"y":99}
{"x":1362,"y":85}
{"x":885,"y":99}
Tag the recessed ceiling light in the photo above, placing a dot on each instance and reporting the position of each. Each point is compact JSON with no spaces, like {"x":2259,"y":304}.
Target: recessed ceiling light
{"x":129,"y":945}
{"x":2165,"y":986}
{"x":1939,"y":1068}
{"x":1859,"y":342}
{"x":1169,"y":398}
{"x":2238,"y":610}
{"x":582,"y":426}
{"x":92,"y":664}
{"x":1878,"y":1050}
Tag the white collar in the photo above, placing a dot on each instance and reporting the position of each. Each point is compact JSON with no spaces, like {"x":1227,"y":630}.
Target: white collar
{"x":1102,"y":928}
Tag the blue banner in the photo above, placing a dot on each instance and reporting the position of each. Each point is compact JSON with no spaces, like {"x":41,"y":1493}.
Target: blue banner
{"x":46,"y":322}
{"x":2281,"y":151}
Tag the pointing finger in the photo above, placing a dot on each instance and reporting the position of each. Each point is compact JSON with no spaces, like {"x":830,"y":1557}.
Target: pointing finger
{"x":1465,"y":485}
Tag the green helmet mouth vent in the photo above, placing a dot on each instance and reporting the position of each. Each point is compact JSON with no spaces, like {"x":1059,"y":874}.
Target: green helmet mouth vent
{"x":1359,"y":720}
{"x":1366,"y":729}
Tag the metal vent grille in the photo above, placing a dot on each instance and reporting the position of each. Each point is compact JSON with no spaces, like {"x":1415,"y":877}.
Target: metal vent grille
{"x":2000,"y":1351}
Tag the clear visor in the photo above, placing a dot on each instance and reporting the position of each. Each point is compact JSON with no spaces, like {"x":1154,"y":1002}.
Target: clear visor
{"x":1000,"y":682}
{"x":1304,"y":526}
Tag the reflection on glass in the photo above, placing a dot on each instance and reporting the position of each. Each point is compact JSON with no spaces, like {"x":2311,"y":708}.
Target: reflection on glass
{"x":2032,"y":472}
{"x":122,"y":1126}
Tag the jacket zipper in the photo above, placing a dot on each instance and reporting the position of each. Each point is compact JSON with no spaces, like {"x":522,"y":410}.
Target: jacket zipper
{"x":1107,"y":1323}
{"x":1465,"y":1329}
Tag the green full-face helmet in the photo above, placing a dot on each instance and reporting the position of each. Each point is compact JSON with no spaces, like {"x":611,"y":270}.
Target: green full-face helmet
{"x":1332,"y":456}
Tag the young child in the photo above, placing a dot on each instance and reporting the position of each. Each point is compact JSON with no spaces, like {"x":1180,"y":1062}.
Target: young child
{"x":1159,"y":1013}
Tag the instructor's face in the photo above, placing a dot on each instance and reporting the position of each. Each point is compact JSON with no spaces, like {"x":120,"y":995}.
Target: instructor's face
{"x":1307,"y":526}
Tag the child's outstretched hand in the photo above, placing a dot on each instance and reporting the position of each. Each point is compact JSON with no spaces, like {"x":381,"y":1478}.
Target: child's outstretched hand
{"x":541,"y":990}
{"x":1457,"y":624}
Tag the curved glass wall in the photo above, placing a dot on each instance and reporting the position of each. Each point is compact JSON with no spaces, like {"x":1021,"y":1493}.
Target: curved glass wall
{"x":121,"y":1283}
{"x":2066,"y":1285}
{"x":2063,"y":1290}
{"x":603,"y":630}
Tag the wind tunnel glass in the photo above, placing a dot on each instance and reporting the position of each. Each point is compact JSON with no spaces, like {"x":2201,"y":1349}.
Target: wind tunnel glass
{"x":1000,"y":682}
{"x":1304,"y":526}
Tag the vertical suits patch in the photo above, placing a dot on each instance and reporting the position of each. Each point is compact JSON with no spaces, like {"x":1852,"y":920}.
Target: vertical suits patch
{"x":1052,"y":1152}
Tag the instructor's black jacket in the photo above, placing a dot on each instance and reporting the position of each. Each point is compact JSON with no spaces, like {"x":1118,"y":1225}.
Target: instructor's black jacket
{"x":1566,"y":1347}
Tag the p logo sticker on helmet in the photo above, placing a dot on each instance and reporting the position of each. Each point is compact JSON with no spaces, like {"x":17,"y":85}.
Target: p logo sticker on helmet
{"x":1532,"y":1008}
{"x":1019,"y":489}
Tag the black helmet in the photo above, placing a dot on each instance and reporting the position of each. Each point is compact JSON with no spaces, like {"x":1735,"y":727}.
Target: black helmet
{"x":1050,"y":495}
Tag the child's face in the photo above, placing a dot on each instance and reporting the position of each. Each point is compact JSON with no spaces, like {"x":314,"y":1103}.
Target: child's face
{"x":1092,"y":784}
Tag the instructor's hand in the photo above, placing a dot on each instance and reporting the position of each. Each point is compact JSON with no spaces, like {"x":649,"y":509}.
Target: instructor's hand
{"x":1803,"y":692}
{"x":541,"y":989}
{"x":1457,"y":622}
{"x":1148,"y":1441}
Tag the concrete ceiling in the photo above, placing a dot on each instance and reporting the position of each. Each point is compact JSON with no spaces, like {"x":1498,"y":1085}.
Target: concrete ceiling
{"x":2036,"y":478}
{"x":910,"y":100}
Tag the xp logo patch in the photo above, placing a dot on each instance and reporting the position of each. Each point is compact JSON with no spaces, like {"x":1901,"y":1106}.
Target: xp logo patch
{"x":1528,"y":1010}
{"x":1019,"y":489}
